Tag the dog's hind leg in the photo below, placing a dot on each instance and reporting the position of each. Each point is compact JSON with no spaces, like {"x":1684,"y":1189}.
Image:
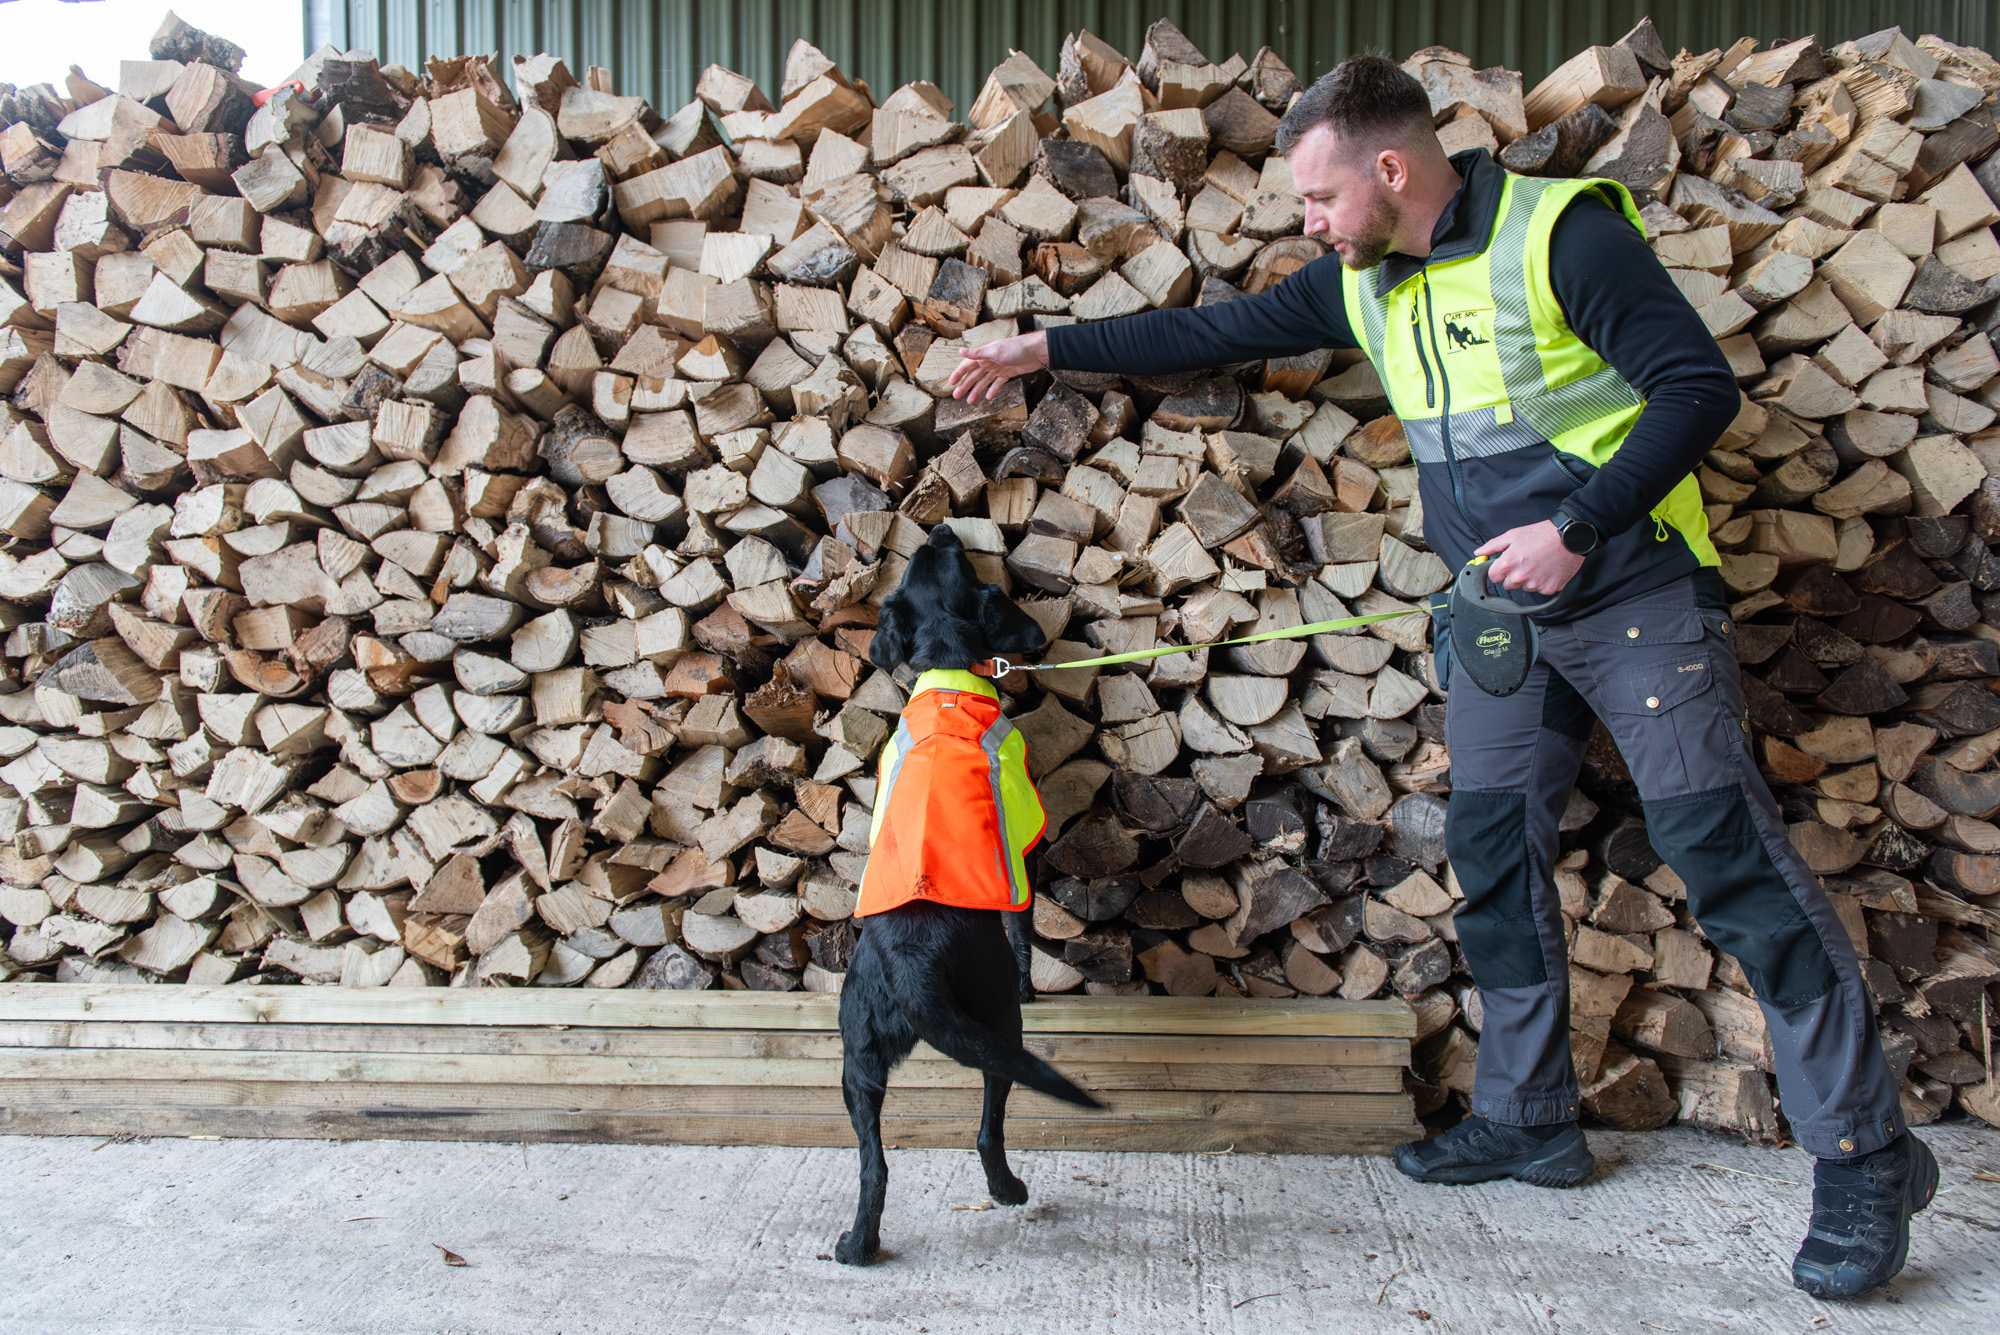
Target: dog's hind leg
{"x":1001,"y":1184}
{"x":1018,"y":937}
{"x":860,"y":1244}
{"x":873,"y":1038}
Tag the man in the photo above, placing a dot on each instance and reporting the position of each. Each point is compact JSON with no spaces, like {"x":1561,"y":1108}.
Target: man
{"x":1557,"y":390}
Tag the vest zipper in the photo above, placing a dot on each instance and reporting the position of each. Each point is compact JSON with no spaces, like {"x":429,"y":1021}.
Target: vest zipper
{"x":1417,"y":337}
{"x":1444,"y":388}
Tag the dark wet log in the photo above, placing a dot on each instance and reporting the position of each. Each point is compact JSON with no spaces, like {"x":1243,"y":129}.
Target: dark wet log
{"x":1212,"y":840}
{"x":1103,"y":955}
{"x":1879,"y":620}
{"x":1079,"y":170}
{"x":1342,"y":839}
{"x":1161,"y":805}
{"x":1962,"y":794}
{"x":1962,"y":710}
{"x":1819,"y":591}
{"x":1098,"y":900}
{"x":1270,"y":900}
{"x":1756,"y":643}
{"x":1627,"y":851}
{"x":1092,"y":849}
{"x":1792,"y":672}
{"x":1561,"y":147}
{"x":1864,"y":688}
{"x":1896,"y":571}
{"x":1214,"y":403}
{"x":1937,"y":536}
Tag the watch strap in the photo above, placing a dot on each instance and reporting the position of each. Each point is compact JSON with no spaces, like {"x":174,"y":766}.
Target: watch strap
{"x":1564,"y":521}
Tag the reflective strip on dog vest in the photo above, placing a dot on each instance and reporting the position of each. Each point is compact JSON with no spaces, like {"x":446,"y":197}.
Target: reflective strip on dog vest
{"x":955,"y":810}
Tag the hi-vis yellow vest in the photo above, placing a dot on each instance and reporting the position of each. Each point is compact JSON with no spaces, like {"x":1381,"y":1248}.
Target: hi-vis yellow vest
{"x":955,"y":810}
{"x":1478,"y":359}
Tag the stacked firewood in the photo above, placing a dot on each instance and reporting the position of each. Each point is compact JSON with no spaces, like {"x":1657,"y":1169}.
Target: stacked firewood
{"x":448,"y":510}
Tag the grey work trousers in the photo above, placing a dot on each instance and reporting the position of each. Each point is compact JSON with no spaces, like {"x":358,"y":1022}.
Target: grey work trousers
{"x":1661,"y":672}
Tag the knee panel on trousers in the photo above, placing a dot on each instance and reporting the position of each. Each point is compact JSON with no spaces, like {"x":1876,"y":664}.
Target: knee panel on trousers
{"x":1739,"y":895}
{"x":1486,"y":837}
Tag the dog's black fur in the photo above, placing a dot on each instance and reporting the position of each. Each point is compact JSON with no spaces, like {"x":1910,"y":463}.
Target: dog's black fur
{"x":953,"y":977}
{"x":944,"y":616}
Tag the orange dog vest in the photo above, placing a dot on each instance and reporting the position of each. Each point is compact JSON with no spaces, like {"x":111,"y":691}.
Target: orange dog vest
{"x":955,"y":810}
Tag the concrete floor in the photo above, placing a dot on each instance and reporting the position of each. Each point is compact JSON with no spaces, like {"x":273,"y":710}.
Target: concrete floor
{"x":1679,"y":1232}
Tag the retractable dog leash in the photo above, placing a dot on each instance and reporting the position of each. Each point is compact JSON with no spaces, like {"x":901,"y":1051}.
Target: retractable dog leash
{"x":1499,"y":641}
{"x":1493,"y":638}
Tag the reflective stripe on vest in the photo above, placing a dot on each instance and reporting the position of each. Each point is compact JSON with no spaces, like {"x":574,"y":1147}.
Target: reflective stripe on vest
{"x":1489,"y":326}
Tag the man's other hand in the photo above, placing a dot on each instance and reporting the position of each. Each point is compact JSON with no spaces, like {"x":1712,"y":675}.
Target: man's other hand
{"x":981,"y":371}
{"x":1531,"y":557}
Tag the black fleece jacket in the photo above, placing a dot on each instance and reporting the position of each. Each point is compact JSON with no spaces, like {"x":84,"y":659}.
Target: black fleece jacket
{"x":1612,"y":288}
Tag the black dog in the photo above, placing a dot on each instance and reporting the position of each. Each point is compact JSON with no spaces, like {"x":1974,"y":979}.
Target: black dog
{"x":934,"y":971}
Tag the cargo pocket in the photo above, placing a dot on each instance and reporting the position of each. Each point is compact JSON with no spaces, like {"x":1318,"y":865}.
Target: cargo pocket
{"x":1636,"y":627}
{"x":1657,"y":688}
{"x":1663,"y":713}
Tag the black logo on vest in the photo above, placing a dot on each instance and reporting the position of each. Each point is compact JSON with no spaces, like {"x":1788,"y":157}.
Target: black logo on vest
{"x":1467,"y":329}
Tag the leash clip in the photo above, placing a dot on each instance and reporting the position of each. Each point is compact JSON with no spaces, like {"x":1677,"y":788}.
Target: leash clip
{"x":1001,"y":667}
{"x":262,"y":96}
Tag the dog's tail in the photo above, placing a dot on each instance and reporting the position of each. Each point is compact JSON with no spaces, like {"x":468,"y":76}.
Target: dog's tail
{"x":935,"y":1014}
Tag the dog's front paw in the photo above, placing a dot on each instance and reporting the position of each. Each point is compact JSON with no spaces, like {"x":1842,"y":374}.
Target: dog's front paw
{"x":1008,"y":1190}
{"x":852,"y":1250}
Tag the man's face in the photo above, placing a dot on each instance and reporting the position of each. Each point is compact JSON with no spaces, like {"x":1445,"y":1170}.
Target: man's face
{"x":1348,"y":200}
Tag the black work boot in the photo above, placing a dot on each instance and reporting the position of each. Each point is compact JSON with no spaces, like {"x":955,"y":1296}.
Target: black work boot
{"x":1860,"y":1231}
{"x":1477,"y":1150}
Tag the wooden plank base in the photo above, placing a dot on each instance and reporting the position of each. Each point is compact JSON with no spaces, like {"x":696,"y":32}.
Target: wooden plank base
{"x":624,"y":1008}
{"x":678,"y":1068}
{"x":553,"y":1126}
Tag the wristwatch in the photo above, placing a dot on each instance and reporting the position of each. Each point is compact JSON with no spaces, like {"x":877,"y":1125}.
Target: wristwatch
{"x":1577,"y":536}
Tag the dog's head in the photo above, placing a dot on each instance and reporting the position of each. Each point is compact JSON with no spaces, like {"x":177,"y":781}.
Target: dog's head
{"x":944,"y":616}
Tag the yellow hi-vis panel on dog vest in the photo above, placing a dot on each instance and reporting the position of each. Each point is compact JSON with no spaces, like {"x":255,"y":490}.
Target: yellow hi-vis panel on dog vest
{"x":955,"y":811}
{"x":1476,"y":355}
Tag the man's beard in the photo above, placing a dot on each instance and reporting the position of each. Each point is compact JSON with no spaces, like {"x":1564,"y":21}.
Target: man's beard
{"x":1377,"y":236}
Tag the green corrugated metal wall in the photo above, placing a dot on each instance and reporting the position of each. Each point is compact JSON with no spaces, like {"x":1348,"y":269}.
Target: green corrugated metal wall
{"x":659,"y":47}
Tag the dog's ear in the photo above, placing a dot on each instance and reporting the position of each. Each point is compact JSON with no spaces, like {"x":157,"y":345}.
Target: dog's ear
{"x":945,"y":536}
{"x":1006,"y":628}
{"x":890,"y":648}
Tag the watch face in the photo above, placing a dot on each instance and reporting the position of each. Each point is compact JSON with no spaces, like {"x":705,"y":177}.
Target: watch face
{"x":1579,"y":537}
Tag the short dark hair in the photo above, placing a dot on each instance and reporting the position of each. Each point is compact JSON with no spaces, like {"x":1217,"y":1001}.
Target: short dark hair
{"x":1366,"y":97}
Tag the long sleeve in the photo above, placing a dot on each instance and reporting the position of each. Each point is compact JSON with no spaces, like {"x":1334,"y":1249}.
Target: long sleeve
{"x":1302,"y":312}
{"x":1619,"y":300}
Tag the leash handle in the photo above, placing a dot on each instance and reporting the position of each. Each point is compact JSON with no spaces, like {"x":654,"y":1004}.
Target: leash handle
{"x":1471,"y":586}
{"x":1001,"y":667}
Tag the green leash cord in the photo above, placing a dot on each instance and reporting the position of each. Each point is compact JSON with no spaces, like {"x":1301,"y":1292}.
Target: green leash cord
{"x":1001,"y":667}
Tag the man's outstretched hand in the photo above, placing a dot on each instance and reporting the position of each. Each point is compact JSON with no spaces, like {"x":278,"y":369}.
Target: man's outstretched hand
{"x":981,"y":371}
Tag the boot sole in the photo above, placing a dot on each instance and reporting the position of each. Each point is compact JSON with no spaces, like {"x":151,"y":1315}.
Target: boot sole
{"x":1915,"y":1203}
{"x":1567,"y":1167}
